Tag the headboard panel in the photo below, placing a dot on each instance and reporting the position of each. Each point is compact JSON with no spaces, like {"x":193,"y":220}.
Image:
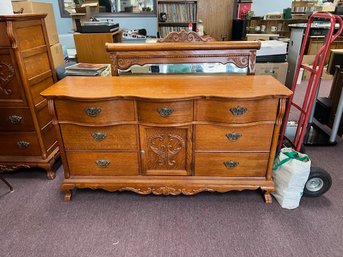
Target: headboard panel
{"x":242,"y":54}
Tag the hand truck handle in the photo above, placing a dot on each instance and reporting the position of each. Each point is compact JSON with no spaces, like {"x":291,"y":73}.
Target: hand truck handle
{"x":340,"y":30}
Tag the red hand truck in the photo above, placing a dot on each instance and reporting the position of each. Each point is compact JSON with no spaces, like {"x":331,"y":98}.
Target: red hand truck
{"x":319,"y":181}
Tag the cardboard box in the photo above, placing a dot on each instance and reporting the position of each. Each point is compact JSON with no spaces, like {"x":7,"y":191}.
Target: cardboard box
{"x":308,"y":60}
{"x":37,"y":7}
{"x":57,"y":54}
{"x":277,"y":70}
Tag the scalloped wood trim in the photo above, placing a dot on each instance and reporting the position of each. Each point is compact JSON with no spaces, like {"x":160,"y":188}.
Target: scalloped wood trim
{"x":182,"y":36}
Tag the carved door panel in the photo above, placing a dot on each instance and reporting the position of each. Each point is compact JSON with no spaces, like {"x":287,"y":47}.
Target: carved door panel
{"x":10,"y":89}
{"x":166,"y":150}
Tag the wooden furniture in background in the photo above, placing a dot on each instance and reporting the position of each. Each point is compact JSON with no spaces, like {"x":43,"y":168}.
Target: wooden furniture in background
{"x":217,"y":17}
{"x":179,"y":14}
{"x":172,"y":135}
{"x":242,"y":54}
{"x":27,"y":135}
{"x":316,"y":42}
{"x":90,"y":47}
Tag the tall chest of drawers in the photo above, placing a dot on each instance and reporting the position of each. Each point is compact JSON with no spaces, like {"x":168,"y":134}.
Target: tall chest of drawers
{"x":27,"y":135}
{"x":172,"y":135}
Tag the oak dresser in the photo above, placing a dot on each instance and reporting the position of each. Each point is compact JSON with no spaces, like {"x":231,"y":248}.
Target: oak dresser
{"x":168,"y":134}
{"x":27,"y":135}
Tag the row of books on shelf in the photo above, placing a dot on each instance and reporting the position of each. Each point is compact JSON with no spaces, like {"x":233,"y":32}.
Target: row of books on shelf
{"x":180,"y":12}
{"x":88,"y":69}
{"x":303,"y":9}
{"x":164,"y":31}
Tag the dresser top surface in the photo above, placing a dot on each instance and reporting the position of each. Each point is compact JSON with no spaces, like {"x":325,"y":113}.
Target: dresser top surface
{"x":168,"y":87}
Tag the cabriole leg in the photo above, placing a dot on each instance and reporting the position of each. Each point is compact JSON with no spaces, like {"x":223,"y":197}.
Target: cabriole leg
{"x":67,"y":195}
{"x":267,"y":197}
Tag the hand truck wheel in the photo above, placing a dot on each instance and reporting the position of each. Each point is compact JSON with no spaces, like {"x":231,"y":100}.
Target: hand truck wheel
{"x":318,"y":183}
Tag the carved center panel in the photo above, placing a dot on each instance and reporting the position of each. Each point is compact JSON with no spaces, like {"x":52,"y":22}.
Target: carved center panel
{"x":6,"y":75}
{"x":165,"y":148}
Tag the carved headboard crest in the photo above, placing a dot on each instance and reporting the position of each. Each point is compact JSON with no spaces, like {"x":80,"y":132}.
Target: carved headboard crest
{"x":183,"y":36}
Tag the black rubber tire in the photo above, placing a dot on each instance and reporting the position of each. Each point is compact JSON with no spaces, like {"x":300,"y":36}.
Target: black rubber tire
{"x":323,"y":176}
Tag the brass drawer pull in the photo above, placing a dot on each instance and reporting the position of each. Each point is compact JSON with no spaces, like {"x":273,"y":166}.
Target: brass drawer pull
{"x":165,"y":111}
{"x":99,"y":136}
{"x":102,"y":163}
{"x":15,"y":119}
{"x":238,"y":110}
{"x":231,"y":164}
{"x":233,"y":136}
{"x":92,"y":111}
{"x":23,"y":144}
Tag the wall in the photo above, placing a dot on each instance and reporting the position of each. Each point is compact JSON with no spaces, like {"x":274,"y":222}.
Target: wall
{"x":262,"y":7}
{"x":64,"y":25}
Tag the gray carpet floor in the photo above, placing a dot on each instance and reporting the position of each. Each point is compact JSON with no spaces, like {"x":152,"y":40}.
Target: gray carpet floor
{"x":34,"y":220}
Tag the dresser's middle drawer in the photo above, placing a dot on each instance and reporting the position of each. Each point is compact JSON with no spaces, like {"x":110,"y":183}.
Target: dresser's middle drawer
{"x":118,"y":137}
{"x":233,"y":138}
{"x":16,"y":119}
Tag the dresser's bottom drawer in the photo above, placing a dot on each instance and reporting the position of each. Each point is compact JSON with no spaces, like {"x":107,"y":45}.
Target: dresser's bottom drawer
{"x":231,"y":164}
{"x":102,"y":163}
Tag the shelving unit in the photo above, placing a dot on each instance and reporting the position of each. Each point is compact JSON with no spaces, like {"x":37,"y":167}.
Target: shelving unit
{"x":179,"y":14}
{"x":281,"y":26}
{"x":303,"y":8}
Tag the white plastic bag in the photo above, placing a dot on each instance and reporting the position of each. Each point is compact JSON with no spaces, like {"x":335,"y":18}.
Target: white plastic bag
{"x":290,"y":173}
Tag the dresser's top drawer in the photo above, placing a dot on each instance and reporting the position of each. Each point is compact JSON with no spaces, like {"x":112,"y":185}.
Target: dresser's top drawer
{"x":24,"y":144}
{"x":242,"y":111}
{"x":233,"y":138}
{"x":165,"y":112}
{"x":118,"y":137}
{"x":95,"y":112}
{"x":16,"y":119}
{"x":231,"y":164}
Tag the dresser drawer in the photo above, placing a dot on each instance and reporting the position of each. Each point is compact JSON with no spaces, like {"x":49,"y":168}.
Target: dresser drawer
{"x":37,"y":88}
{"x":102,"y":163}
{"x":16,"y":119}
{"x":242,"y":111}
{"x":165,"y":112}
{"x":19,"y":144}
{"x":234,"y":138}
{"x":95,"y":112}
{"x":43,"y":117}
{"x":121,"y":137}
{"x":231,"y":164}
